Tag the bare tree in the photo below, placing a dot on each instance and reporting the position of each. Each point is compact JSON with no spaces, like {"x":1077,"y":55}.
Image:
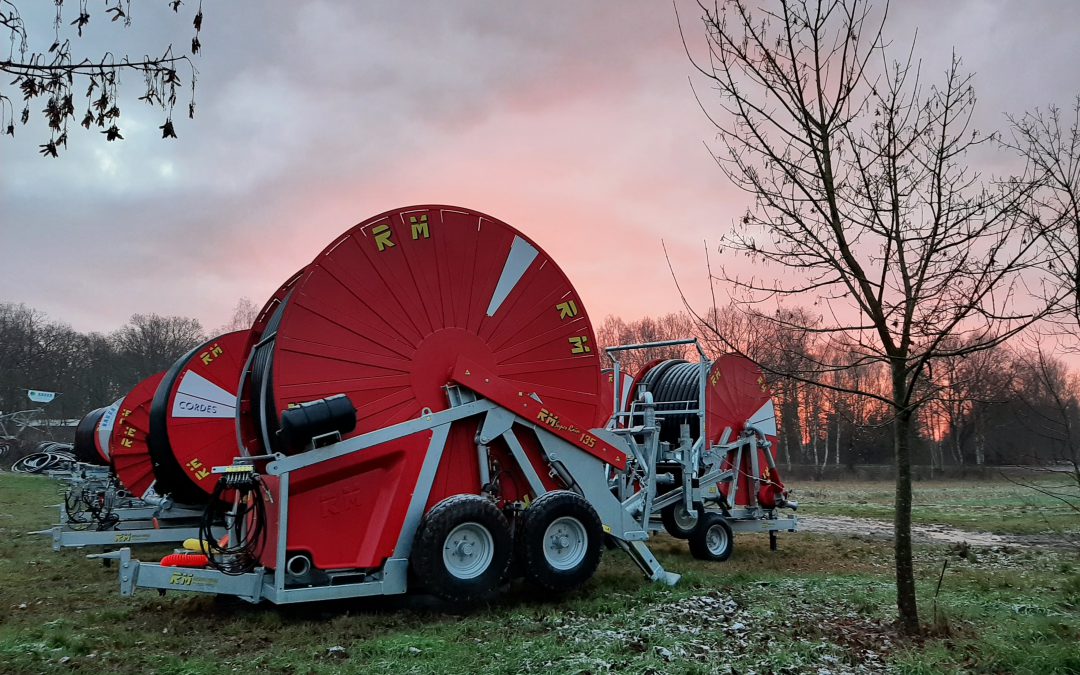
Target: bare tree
{"x":865,"y":203}
{"x":150,"y":343}
{"x":967,"y":387}
{"x":243,"y":316}
{"x":1050,"y":143}
{"x":617,"y":331}
{"x":57,"y":75}
{"x":1050,"y":400}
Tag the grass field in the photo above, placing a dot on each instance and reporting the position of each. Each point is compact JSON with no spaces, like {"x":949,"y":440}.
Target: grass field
{"x":986,"y":506}
{"x":820,"y":604}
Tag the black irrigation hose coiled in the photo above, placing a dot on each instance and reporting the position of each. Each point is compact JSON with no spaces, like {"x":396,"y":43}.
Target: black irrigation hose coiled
{"x":264,"y":410}
{"x":246,"y":520}
{"x":673,"y":384}
{"x":44,"y":461}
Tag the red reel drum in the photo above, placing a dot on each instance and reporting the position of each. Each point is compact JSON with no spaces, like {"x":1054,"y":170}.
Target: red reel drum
{"x":128,"y":446}
{"x":737,"y":393}
{"x":382,"y":315}
{"x":625,"y":393}
{"x":193,"y":418}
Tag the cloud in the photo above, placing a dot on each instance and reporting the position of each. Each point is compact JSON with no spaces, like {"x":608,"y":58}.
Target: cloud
{"x":572,"y":121}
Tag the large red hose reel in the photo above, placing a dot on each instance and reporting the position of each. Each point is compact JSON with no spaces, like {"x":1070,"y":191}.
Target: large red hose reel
{"x":382,"y":315}
{"x":163,"y":436}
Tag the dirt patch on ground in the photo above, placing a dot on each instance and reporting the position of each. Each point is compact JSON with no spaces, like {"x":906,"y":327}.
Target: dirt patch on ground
{"x":868,"y":527}
{"x":725,"y":634}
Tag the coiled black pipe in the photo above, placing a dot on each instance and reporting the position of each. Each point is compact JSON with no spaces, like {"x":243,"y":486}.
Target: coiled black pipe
{"x":674,"y":386}
{"x":264,"y":411}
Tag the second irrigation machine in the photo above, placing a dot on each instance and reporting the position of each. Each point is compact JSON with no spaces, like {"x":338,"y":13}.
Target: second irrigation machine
{"x":425,"y":406}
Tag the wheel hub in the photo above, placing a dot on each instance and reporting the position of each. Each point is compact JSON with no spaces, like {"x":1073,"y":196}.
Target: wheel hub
{"x":565,"y":543}
{"x":685,"y":519}
{"x":468,"y":551}
{"x":716,"y":539}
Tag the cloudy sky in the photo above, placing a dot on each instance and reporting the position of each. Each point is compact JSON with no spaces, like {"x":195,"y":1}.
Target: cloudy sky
{"x":571,"y":120}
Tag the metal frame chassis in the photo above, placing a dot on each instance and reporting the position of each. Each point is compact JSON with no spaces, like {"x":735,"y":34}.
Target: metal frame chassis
{"x":146,"y":533}
{"x":136,"y":526}
{"x":138,"y":521}
{"x":392,"y":578}
{"x":690,"y":455}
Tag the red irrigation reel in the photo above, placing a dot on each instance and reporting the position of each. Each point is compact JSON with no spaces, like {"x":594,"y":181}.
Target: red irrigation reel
{"x":193,"y":418}
{"x":128,"y":445}
{"x":382,"y":315}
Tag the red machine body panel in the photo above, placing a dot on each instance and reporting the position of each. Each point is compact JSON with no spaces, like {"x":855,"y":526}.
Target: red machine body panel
{"x":350,"y":510}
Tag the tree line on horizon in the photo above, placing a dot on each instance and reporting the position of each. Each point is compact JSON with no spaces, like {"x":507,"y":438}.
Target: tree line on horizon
{"x":1008,"y":405}
{"x":90,"y":370}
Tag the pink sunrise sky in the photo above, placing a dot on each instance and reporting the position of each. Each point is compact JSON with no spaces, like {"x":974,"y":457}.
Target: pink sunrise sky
{"x":572,"y":121}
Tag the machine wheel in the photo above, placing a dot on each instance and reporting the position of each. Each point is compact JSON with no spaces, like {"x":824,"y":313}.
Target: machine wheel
{"x":679,"y":522}
{"x":561,"y":541}
{"x":462,"y":549}
{"x":713,"y":539}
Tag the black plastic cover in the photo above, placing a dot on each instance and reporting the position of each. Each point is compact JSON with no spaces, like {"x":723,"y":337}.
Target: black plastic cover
{"x":304,"y":422}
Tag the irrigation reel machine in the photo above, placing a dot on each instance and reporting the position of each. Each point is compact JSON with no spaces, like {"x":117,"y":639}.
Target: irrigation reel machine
{"x":126,"y":488}
{"x":424,"y":405}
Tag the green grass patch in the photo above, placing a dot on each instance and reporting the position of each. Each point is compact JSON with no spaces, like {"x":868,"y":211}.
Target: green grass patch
{"x":819,"y":602}
{"x":999,"y":507}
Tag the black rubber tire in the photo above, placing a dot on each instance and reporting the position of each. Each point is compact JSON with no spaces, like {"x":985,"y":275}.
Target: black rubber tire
{"x":699,"y":541}
{"x":671,"y":524}
{"x":538,"y":517}
{"x":427,"y":550}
